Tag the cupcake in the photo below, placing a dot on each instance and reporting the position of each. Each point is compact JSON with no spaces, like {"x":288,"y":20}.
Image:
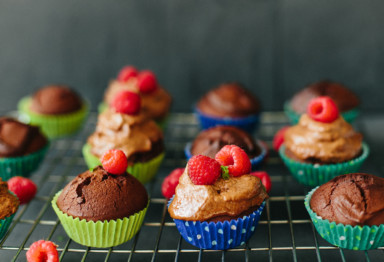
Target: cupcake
{"x":102,"y":209}
{"x":217,"y":203}
{"x":346,"y":101}
{"x":8,"y":206}
{"x":155,"y":100}
{"x":322,"y":145}
{"x":57,"y":109}
{"x":229,"y":104}
{"x":22,"y":148}
{"x":348,"y":211}
{"x":211,"y":140}
{"x":123,"y":126}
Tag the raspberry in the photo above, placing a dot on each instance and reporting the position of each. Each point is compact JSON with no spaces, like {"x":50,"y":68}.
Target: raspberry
{"x":203,"y":170}
{"x":126,"y":73}
{"x":323,"y":109}
{"x":235,"y":158}
{"x":114,"y":161}
{"x":42,"y":251}
{"x":170,"y":182}
{"x":127,"y":102}
{"x":23,"y":188}
{"x":278,"y":139}
{"x":265,"y":179}
{"x":147,"y":81}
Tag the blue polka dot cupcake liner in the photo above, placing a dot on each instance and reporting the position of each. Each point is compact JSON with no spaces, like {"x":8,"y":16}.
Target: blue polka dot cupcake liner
{"x":219,"y":235}
{"x":315,"y":174}
{"x":346,"y":236}
{"x":255,"y":162}
{"x":249,"y":123}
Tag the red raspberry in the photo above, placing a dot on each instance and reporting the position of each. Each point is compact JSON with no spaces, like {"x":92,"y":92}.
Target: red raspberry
{"x":23,"y":188}
{"x":170,"y":182}
{"x":126,"y":73}
{"x":43,"y":251}
{"x":203,"y":170}
{"x":235,"y":158}
{"x":278,"y":139}
{"x":323,"y":109}
{"x":265,"y":179}
{"x":147,"y":81}
{"x":115,"y":162}
{"x":127,"y":102}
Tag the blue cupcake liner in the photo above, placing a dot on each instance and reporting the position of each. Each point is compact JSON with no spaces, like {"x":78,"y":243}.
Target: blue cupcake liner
{"x":219,"y":235}
{"x":249,"y":123}
{"x":255,"y":162}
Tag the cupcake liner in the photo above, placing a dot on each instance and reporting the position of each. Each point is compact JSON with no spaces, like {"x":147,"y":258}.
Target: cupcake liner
{"x":100,"y":234}
{"x":54,"y":126}
{"x":315,"y":174}
{"x":249,"y":123}
{"x":294,"y":117}
{"x":4,"y":225}
{"x":21,"y":165}
{"x":102,"y":107}
{"x":255,"y":162}
{"x":219,"y":235}
{"x":346,"y":236}
{"x":144,"y":172}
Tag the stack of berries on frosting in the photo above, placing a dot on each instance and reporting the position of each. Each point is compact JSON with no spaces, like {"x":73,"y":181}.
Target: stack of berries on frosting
{"x":217,"y":203}
{"x":124,"y":126}
{"x":322,"y":145}
{"x":156,"y":101}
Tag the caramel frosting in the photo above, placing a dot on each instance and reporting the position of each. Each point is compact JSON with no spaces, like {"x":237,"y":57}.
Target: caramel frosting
{"x":230,"y":197}
{"x":8,"y":202}
{"x":315,"y":141}
{"x":133,"y":134}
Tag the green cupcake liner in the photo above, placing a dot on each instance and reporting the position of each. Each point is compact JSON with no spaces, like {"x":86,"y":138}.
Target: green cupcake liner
{"x":4,"y":225}
{"x":315,"y":174}
{"x":102,"y":107}
{"x":144,"y":172}
{"x":21,"y":165}
{"x":346,"y":236}
{"x":102,"y":234}
{"x":54,"y":126}
{"x":294,"y":117}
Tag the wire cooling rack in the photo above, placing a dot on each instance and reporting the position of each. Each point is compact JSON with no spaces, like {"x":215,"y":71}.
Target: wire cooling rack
{"x":285,"y":232}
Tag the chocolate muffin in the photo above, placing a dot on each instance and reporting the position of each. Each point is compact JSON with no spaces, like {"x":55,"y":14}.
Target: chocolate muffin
{"x":351,"y":199}
{"x":9,"y":203}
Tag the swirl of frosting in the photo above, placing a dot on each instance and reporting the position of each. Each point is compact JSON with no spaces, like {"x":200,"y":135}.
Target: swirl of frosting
{"x":315,"y":141}
{"x":230,"y":197}
{"x":133,"y":134}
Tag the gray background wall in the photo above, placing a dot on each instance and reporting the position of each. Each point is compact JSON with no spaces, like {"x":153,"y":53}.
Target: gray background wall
{"x":274,"y":47}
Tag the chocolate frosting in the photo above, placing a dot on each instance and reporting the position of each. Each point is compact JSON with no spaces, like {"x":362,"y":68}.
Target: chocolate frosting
{"x":231,"y":198}
{"x":18,"y":139}
{"x":8,"y":202}
{"x":229,"y":100}
{"x":352,"y":199}
{"x":343,"y":97}
{"x":210,"y":141}
{"x":97,"y":195}
{"x":319,"y":142}
{"x":136,"y":135}
{"x":55,"y":100}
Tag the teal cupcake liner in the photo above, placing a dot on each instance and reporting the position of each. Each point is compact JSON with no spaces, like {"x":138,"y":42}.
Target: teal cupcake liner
{"x":294,"y":117}
{"x":315,"y":174}
{"x":346,"y":236}
{"x":4,"y":225}
{"x":144,"y":172}
{"x":21,"y":165}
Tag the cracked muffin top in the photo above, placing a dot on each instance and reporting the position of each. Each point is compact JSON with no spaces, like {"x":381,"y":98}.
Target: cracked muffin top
{"x":98,"y":195}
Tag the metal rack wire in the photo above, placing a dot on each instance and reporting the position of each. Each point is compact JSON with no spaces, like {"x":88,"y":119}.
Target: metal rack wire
{"x":285,"y":232}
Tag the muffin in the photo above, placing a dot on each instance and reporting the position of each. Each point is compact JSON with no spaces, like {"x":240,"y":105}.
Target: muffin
{"x":96,"y":202}
{"x":347,"y":102}
{"x":57,"y":109}
{"x":229,"y":104}
{"x":9,"y":204}
{"x":217,"y":207}
{"x":348,"y":211}
{"x":316,"y":151}
{"x":211,"y":140}
{"x":22,"y":148}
